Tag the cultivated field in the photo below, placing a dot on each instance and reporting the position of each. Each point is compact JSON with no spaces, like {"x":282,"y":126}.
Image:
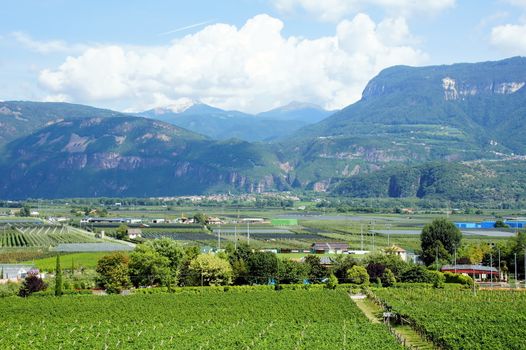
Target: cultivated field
{"x":458,"y":319}
{"x":42,"y":236}
{"x":243,"y":318}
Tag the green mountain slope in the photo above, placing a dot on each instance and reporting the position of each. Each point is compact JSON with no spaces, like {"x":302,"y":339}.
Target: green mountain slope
{"x":478,"y":181}
{"x":20,"y":118}
{"x":130,"y":156}
{"x":412,"y":115}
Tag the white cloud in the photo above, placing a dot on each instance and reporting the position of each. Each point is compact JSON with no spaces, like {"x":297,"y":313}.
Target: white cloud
{"x":46,"y":47}
{"x":334,"y":10}
{"x":509,"y":38}
{"x":520,"y":3}
{"x":252,"y":68}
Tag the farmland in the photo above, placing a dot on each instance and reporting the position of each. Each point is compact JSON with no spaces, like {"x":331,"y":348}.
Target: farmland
{"x":244,"y":318}
{"x":42,"y":236}
{"x":457,"y":319}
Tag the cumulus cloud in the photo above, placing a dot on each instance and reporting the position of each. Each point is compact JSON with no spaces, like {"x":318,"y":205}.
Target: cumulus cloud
{"x":45,"y":47}
{"x":252,"y":68}
{"x":334,"y":10}
{"x":510,"y":38}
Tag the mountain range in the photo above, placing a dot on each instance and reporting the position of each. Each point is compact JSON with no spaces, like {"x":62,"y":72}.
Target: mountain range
{"x":222,"y":125}
{"x":413,"y":129}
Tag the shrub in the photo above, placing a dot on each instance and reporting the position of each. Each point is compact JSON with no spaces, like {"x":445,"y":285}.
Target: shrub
{"x":358,"y":275}
{"x":32,"y":283}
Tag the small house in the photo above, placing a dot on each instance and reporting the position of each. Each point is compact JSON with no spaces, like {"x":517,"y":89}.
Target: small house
{"x":214,"y":221}
{"x":329,"y":247}
{"x":15,"y":272}
{"x":134,"y":233}
{"x":395,"y":250}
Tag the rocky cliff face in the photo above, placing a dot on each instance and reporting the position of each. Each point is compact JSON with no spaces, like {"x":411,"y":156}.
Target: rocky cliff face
{"x":128,"y":156}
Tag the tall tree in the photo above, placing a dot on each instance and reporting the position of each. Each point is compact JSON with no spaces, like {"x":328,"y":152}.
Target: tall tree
{"x":439,"y":239}
{"x":58,"y":278}
{"x":263,"y":267}
{"x":211,"y":270}
{"x":112,"y":272}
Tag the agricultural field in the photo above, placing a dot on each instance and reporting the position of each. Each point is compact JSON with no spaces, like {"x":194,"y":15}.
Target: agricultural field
{"x":458,"y":319}
{"x":68,"y":261}
{"x":42,"y":236}
{"x":243,"y":318}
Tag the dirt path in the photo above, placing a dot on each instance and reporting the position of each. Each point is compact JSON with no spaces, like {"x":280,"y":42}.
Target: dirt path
{"x":373,"y":312}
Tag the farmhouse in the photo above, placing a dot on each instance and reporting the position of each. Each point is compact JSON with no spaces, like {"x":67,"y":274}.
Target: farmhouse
{"x":14,"y":272}
{"x":477,"y":272}
{"x":214,"y":221}
{"x":395,"y":250}
{"x":329,"y":247}
{"x":134,"y":233}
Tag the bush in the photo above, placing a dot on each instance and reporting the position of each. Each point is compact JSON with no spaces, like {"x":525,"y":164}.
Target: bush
{"x":358,"y":275}
{"x":8,"y":290}
{"x":332,"y":282}
{"x":419,"y":274}
{"x":451,"y":277}
{"x":32,"y":283}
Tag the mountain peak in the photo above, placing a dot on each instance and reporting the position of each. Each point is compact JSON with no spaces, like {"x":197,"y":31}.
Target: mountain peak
{"x":295,"y":105}
{"x":178,"y":106}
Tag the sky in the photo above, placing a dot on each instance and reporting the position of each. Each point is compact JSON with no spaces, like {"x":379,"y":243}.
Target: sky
{"x":248,"y":55}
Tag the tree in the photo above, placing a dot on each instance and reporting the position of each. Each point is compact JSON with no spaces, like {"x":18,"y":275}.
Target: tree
{"x":240,"y":272}
{"x":168,"y":248}
{"x":441,"y":237}
{"x":121,"y":232}
{"x":2,"y":274}
{"x":500,"y":224}
{"x":263,"y":267}
{"x":375,"y":270}
{"x":342,"y":264}
{"x":201,"y":218}
{"x":32,"y":283}
{"x":211,"y":270}
{"x":290,"y":272}
{"x":25,"y":211}
{"x":418,"y":274}
{"x":332,"y":282}
{"x":388,"y":279}
{"x":112,"y":272}
{"x":147,"y":267}
{"x":391,"y":262}
{"x":58,"y":278}
{"x":358,"y":275}
{"x":316,"y":272}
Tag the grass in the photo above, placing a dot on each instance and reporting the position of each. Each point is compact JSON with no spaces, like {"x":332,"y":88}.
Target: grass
{"x":78,"y":260}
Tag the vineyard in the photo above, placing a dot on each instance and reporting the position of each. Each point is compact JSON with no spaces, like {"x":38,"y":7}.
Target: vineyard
{"x":457,"y":319}
{"x":236,"y":319}
{"x":42,"y":236}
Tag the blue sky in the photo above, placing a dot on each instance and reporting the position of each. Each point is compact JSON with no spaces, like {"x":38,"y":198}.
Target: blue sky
{"x":250,"y":55}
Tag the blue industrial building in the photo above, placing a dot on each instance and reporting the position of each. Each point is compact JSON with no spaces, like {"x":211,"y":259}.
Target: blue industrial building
{"x":490,"y":224}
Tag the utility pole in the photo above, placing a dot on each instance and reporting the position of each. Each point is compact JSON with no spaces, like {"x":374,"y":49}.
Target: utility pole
{"x":388,"y":235}
{"x":455,"y":263}
{"x":524,"y":267}
{"x":500,"y":277}
{"x":361,"y":237}
{"x":235,"y":237}
{"x":248,"y":232}
{"x":436,"y":256}
{"x":219,"y":238}
{"x":491,"y":269}
{"x":515,"y":270}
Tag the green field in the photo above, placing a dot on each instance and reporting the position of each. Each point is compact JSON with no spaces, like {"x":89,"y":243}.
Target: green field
{"x":76,"y":260}
{"x":458,"y":319}
{"x":42,"y":236}
{"x":242,"y":318}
